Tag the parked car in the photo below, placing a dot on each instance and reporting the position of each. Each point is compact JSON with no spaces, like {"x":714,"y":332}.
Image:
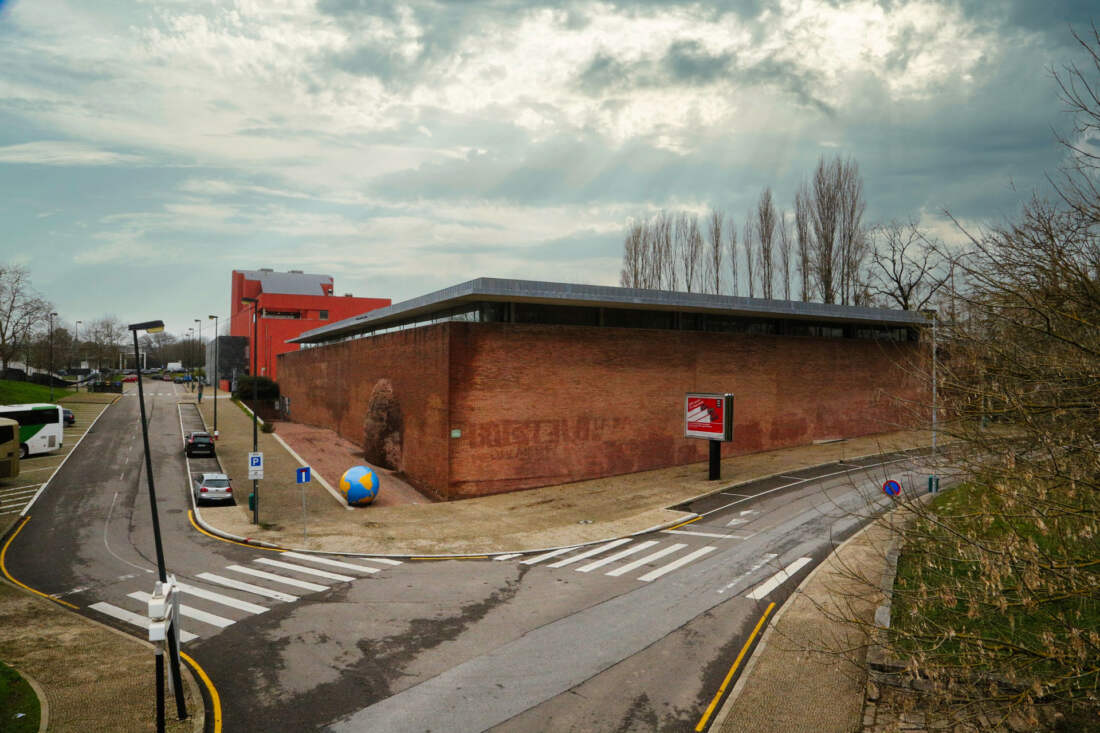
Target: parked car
{"x":70,"y":418}
{"x":213,"y":487}
{"x":167,"y":377}
{"x":198,"y":443}
{"x":130,"y":378}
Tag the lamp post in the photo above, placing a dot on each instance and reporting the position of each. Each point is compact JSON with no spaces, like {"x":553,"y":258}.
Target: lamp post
{"x":215,"y":376}
{"x":50,"y":372}
{"x":191,"y":345}
{"x":255,"y":436}
{"x":76,"y":343}
{"x":173,"y":648}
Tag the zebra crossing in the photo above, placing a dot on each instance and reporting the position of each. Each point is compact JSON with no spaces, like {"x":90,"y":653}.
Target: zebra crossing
{"x":207,"y":609}
{"x":631,"y":555}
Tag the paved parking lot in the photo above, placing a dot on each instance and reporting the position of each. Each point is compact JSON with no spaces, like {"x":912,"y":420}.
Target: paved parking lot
{"x":16,"y":493}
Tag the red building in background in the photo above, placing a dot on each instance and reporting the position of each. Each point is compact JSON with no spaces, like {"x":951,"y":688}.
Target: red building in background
{"x":289,"y":303}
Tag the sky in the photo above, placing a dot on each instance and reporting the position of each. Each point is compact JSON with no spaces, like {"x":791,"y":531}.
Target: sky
{"x":150,"y":147}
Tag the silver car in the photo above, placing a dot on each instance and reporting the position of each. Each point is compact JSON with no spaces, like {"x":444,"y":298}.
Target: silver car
{"x":213,"y":487}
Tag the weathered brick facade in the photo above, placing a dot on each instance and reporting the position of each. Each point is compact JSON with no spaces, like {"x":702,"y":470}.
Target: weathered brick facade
{"x":541,"y":405}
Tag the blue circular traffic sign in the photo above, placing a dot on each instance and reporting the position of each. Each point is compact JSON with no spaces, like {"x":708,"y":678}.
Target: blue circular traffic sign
{"x":891,"y":488}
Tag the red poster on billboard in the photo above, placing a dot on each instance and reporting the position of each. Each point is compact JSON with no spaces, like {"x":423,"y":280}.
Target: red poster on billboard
{"x":708,"y":416}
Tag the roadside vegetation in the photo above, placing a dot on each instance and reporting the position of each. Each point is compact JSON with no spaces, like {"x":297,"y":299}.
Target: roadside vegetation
{"x":14,"y":392}
{"x":997,"y":599}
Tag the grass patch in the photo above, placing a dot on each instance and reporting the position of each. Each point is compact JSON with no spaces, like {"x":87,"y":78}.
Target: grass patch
{"x":954,"y":601}
{"x":16,"y":393}
{"x":19,"y":707}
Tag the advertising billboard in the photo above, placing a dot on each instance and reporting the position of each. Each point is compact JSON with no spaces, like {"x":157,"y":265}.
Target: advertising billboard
{"x":708,"y":416}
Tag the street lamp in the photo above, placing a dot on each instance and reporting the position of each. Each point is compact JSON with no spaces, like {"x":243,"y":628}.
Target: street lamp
{"x":76,"y":342}
{"x":215,"y":376}
{"x":191,"y":345}
{"x":50,"y":373}
{"x":255,"y":437}
{"x":173,"y":648}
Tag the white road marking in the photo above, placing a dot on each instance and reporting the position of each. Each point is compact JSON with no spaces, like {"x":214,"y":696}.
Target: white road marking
{"x":768,"y":557}
{"x":704,"y":534}
{"x":735,"y":521}
{"x":548,"y":555}
{"x":383,"y":560}
{"x":589,"y":553}
{"x":749,"y":511}
{"x":207,"y":618}
{"x":678,"y":563}
{"x":647,"y":559}
{"x":248,"y":587}
{"x":133,"y":618}
{"x":778,"y":579}
{"x":617,"y":556}
{"x":329,"y":562}
{"x":303,"y":569}
{"x":191,"y":590}
{"x":303,"y":584}
{"x":509,"y":556}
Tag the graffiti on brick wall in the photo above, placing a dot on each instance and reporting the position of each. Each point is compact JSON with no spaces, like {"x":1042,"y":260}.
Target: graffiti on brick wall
{"x":505,"y":439}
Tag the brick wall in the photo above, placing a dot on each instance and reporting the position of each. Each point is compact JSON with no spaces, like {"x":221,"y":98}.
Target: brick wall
{"x":540,"y":405}
{"x":330,"y":387}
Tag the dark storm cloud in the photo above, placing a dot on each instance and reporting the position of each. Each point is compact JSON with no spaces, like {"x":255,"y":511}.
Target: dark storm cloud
{"x":687,"y":63}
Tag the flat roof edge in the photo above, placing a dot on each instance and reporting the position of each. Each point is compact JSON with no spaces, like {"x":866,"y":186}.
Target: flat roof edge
{"x":535,"y":291}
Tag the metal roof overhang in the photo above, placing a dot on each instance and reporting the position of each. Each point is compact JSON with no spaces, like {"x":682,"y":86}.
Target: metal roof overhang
{"x":600,"y":296}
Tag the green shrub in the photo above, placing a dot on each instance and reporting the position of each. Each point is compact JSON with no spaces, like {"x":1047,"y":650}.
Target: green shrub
{"x":267,"y":427}
{"x":266,"y":389}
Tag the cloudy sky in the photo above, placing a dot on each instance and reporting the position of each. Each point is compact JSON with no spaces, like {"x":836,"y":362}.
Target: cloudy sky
{"x":149,"y":147}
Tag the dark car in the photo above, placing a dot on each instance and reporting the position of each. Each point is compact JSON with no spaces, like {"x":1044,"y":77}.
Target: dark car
{"x":199,"y":443}
{"x":70,"y":418}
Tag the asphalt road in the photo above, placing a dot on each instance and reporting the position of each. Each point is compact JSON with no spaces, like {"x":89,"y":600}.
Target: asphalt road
{"x":635,"y":634}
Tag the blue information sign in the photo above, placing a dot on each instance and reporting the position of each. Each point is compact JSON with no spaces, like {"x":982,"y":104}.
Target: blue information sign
{"x":891,"y":488}
{"x":303,"y":475}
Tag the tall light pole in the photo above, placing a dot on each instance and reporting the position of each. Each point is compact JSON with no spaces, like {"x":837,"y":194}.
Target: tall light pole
{"x":191,"y":345}
{"x":255,"y":436}
{"x":173,"y":648}
{"x":50,"y":373}
{"x":76,"y":342}
{"x":215,"y":376}
{"x":202,"y":355}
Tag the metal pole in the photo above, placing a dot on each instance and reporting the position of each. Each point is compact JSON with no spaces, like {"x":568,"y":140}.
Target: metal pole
{"x":934,"y":477}
{"x":159,"y":654}
{"x":50,"y":374}
{"x":215,"y":376}
{"x":149,"y":468}
{"x":255,"y":436}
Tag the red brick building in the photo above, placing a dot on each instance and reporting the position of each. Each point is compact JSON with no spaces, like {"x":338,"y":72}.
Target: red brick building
{"x":504,"y":385}
{"x":289,"y":303}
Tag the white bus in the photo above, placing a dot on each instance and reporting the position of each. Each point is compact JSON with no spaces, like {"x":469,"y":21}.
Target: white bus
{"x":41,"y":427}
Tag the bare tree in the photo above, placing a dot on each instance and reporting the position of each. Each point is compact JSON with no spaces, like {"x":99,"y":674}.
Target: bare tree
{"x":107,"y":335}
{"x":631,"y":275}
{"x":689,"y":246}
{"x":825,"y":204}
{"x":732,"y":240}
{"x":906,"y":269}
{"x":21,"y":311}
{"x":765,"y":231}
{"x":852,"y":243}
{"x":803,"y":234}
{"x":750,"y":254}
{"x":785,"y":253}
{"x":715,"y":222}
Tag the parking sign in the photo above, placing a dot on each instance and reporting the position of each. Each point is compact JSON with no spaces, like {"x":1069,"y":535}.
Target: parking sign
{"x":255,"y":466}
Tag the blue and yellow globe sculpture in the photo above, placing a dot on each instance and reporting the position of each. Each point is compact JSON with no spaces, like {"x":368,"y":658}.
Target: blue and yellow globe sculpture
{"x":359,"y":485}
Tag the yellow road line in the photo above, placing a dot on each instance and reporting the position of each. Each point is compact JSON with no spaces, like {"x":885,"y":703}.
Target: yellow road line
{"x":215,"y":701}
{"x":458,"y":557}
{"x":683,"y":524}
{"x":736,"y":663}
{"x":4,"y":568}
{"x":191,"y":516}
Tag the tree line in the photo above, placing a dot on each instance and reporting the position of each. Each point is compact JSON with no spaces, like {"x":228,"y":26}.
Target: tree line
{"x":818,"y":250}
{"x":26,"y":335}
